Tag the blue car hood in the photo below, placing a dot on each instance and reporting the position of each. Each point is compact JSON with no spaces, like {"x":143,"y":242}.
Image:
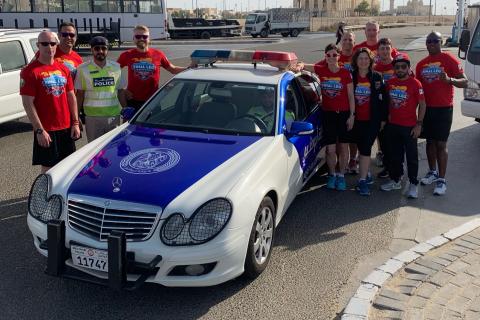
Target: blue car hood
{"x":153,"y":166}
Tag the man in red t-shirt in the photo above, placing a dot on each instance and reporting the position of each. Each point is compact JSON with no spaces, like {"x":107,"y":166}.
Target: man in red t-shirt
{"x":439,"y":72}
{"x":143,"y":65}
{"x":346,"y":53}
{"x":372,"y":30}
{"x":404,"y":127}
{"x":47,"y":94}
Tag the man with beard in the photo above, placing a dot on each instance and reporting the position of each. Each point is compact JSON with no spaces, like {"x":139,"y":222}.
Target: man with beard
{"x":143,"y":65}
{"x":439,"y":72}
{"x":100,"y":90}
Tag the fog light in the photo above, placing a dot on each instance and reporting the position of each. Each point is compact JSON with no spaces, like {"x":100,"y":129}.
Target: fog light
{"x":194,"y":269}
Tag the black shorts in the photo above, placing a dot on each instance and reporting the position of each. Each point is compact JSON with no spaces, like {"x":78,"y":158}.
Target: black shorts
{"x":437,"y":123}
{"x":61,"y":147}
{"x":135,"y":104}
{"x":335,"y":127}
{"x":364,"y":135}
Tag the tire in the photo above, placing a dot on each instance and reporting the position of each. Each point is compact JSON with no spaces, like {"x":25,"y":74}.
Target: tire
{"x":285,"y":34}
{"x":263,"y":232}
{"x":294,"y":33}
{"x":254,"y":35}
{"x":205,"y":35}
{"x":264,"y":33}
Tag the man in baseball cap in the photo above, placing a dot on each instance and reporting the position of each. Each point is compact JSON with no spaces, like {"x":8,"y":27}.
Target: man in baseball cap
{"x":100,"y":90}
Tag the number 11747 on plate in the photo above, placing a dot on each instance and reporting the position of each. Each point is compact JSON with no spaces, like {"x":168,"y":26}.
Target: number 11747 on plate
{"x":89,"y":258}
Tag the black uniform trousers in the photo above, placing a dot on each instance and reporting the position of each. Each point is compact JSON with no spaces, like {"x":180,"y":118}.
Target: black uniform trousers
{"x":399,"y":142}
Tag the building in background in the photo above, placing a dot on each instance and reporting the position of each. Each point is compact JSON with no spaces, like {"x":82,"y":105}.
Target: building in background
{"x":413,"y":8}
{"x":334,"y":8}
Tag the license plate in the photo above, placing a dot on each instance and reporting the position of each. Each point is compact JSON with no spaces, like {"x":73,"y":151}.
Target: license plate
{"x":89,"y":258}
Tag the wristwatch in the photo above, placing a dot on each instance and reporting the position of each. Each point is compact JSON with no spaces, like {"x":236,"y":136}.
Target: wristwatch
{"x":39,"y":131}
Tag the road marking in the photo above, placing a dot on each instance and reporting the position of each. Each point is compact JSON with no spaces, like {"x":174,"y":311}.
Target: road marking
{"x":13,"y":203}
{"x":13,"y":217}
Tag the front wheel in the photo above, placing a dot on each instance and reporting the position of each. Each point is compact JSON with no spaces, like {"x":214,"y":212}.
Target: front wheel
{"x":260,"y":243}
{"x":264,"y":33}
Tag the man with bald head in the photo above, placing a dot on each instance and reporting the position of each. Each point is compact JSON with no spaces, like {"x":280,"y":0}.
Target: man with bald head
{"x":439,"y":72}
{"x":372,"y":32}
{"x":47,"y":94}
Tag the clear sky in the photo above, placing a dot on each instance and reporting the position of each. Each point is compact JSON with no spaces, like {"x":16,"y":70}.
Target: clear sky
{"x":247,"y":5}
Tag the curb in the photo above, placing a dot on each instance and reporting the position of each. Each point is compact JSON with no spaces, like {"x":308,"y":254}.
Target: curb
{"x":359,"y":305}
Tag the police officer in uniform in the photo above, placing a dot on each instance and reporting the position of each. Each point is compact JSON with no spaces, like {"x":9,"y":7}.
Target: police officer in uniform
{"x":100,"y":90}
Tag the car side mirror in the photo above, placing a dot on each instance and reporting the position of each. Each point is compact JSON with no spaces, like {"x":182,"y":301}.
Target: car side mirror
{"x":300,"y":128}
{"x":464,"y":43}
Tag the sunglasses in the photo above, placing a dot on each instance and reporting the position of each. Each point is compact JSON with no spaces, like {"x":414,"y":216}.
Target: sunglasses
{"x":332,"y":55}
{"x":46,"y":44}
{"x":400,"y":66}
{"x":141,"y":36}
{"x":67,"y":34}
{"x":100,"y":48}
{"x":433,"y":41}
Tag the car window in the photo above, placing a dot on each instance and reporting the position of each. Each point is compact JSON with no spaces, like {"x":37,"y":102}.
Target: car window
{"x":33,"y":44}
{"x":310,"y":91}
{"x":12,"y":56}
{"x":212,"y":106}
{"x":294,"y":104}
{"x":261,"y":19}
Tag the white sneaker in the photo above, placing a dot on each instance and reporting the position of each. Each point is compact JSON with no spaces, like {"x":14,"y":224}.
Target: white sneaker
{"x":391,"y":185}
{"x":412,"y":192}
{"x":429,"y":178}
{"x":440,"y":187}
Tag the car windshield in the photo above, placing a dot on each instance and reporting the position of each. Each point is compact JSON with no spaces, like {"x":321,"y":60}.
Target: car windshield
{"x":212,"y":107}
{"x":251,"y":19}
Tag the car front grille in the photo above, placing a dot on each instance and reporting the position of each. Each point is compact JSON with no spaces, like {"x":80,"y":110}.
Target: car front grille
{"x":97,"y":218}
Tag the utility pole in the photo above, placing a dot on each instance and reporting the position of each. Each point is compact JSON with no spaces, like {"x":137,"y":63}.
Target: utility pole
{"x":430,"y":12}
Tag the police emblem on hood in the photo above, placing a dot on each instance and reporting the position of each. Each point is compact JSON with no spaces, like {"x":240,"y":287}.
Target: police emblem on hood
{"x":150,"y":161}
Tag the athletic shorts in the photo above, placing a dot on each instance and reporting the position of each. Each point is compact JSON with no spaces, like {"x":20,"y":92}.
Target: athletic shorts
{"x":61,"y":147}
{"x":335,"y":127}
{"x":364,"y":135}
{"x":437,"y":123}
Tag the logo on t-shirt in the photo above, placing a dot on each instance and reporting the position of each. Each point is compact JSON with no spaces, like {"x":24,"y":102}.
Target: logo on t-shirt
{"x":54,"y":82}
{"x":387,"y":75}
{"x":362,"y":93}
{"x":331,"y":86}
{"x":431,"y":72}
{"x":103,"y":82}
{"x":398,"y":96}
{"x":143,"y":69}
{"x":69,"y":64}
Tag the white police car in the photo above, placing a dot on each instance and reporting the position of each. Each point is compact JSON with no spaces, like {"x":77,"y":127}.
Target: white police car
{"x":189,"y":192}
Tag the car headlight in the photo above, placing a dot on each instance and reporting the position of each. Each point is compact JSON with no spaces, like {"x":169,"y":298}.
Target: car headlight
{"x":472,"y":92}
{"x":206,"y":223}
{"x":41,"y":205}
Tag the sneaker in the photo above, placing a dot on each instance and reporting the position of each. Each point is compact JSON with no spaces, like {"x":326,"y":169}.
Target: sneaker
{"x":379,"y":159}
{"x":383,"y":174}
{"x":429,"y":178}
{"x":440,"y":187}
{"x":341,"y":184}
{"x":331,"y":182}
{"x":362,"y":188}
{"x":352,"y":166}
{"x":369,"y":179}
{"x":391,"y":185}
{"x":412,"y":192}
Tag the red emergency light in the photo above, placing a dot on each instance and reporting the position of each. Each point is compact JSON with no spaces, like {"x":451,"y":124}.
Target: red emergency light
{"x":278,"y":59}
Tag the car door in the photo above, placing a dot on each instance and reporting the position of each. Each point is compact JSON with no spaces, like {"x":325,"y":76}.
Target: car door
{"x":12,"y":60}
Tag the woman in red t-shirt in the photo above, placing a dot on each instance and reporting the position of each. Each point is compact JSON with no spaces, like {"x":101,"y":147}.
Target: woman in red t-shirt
{"x":370,"y":111}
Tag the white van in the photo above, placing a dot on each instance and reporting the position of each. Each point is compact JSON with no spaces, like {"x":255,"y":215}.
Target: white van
{"x":17,"y":49}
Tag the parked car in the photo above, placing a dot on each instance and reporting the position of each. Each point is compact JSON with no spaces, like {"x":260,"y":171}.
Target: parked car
{"x":188,"y":192}
{"x":17,"y":49}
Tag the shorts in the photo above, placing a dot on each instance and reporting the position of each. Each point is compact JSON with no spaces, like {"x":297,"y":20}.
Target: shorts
{"x":62,"y":146}
{"x":437,"y":123}
{"x":135,"y":104}
{"x":335,"y":127}
{"x":364,"y":135}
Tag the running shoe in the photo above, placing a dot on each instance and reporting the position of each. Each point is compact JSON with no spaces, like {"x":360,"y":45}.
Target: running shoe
{"x":391,"y":185}
{"x":412,"y":192}
{"x":352,"y":166}
{"x":362,"y":188}
{"x":440,"y":187}
{"x":383,"y":174}
{"x":379,"y":159}
{"x":369,"y":179}
{"x":429,"y":178}
{"x":341,"y":184}
{"x":331,"y":183}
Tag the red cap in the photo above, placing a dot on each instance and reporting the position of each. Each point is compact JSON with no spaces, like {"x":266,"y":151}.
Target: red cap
{"x":401,"y":57}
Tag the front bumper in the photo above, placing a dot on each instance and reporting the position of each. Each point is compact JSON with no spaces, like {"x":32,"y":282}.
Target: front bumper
{"x":471,"y":108}
{"x":138,"y":262}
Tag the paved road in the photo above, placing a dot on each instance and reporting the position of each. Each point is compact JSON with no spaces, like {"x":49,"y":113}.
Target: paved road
{"x":323,"y":238}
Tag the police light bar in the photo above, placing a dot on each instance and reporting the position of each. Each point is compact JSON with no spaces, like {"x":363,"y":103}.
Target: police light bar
{"x":276,"y":59}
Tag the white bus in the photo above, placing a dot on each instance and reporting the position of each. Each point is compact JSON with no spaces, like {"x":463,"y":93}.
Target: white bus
{"x":88,"y":15}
